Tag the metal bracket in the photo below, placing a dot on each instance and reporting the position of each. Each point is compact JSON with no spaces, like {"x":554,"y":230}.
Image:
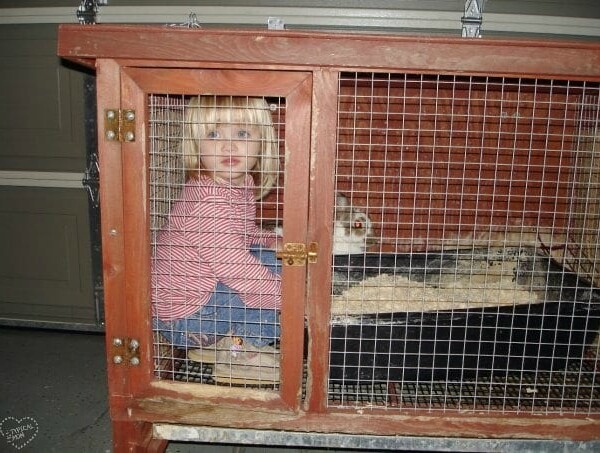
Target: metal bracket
{"x":125,"y":350}
{"x":471,"y":21}
{"x":91,"y":181}
{"x":275,"y":23}
{"x":192,"y":22}
{"x":87,"y":10}
{"x":119,"y":125}
{"x":296,"y":253}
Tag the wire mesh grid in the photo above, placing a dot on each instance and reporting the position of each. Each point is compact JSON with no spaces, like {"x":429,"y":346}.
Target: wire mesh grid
{"x":216,"y":190}
{"x":468,"y":281}
{"x":571,"y":390}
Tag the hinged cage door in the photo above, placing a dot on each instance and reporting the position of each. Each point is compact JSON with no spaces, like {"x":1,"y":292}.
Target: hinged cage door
{"x":179,"y":112}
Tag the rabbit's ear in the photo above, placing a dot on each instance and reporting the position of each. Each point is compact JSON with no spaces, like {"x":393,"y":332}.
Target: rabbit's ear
{"x":343,"y":217}
{"x":341,"y":201}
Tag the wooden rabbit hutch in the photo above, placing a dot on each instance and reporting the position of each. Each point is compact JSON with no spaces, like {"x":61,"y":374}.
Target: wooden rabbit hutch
{"x":473,"y":310}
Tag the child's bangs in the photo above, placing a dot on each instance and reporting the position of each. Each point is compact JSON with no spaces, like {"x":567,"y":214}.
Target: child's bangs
{"x":233,"y":110}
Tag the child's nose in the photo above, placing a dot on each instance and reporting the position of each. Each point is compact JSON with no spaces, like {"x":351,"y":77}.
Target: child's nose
{"x":229,"y":146}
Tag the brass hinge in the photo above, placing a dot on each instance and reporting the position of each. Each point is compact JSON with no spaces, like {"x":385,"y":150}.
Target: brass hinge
{"x":296,"y":253}
{"x":119,"y":125}
{"x":125,"y":351}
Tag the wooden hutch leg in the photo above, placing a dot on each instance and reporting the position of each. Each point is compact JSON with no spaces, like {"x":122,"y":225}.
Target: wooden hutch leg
{"x":130,"y":437}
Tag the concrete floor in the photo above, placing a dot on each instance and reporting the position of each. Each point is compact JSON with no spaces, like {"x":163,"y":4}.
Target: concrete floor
{"x":54,"y":387}
{"x":55,"y":380}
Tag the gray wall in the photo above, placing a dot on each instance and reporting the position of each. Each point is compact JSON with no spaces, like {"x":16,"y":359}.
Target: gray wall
{"x":45,"y":264}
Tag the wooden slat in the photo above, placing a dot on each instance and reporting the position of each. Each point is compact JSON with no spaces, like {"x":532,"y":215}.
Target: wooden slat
{"x":320,"y":230}
{"x":315,"y":49}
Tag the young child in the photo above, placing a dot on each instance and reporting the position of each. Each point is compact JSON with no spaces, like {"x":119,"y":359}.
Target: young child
{"x":214,"y":272}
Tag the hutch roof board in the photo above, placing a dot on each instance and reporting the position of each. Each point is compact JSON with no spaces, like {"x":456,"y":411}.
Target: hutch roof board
{"x":433,"y":205}
{"x":265,"y":48}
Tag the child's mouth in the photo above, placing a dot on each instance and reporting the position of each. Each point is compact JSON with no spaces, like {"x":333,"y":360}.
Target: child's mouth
{"x":231,"y":161}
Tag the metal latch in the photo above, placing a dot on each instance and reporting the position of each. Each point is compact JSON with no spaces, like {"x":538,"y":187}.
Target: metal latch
{"x":125,"y":350}
{"x":296,"y":253}
{"x":119,"y":125}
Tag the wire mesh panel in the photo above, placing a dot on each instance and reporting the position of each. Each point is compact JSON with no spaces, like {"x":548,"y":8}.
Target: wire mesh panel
{"x":215,"y":197}
{"x":465,"y":265}
{"x":583,"y":258}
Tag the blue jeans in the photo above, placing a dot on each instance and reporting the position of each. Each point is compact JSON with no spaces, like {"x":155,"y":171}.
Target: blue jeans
{"x":225,"y":313}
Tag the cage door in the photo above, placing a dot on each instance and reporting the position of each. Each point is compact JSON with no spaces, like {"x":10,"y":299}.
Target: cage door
{"x":200,"y":297}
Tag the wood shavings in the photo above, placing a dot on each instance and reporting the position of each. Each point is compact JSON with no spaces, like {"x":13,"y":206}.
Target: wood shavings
{"x":387,"y":293}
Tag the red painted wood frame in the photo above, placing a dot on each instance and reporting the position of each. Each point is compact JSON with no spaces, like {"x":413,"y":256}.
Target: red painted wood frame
{"x":303,"y":67}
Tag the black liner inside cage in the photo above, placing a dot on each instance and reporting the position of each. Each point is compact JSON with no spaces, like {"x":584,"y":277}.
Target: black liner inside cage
{"x":464,"y":343}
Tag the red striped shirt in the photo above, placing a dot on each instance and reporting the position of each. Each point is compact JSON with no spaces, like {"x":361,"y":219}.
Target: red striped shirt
{"x":206,"y":240}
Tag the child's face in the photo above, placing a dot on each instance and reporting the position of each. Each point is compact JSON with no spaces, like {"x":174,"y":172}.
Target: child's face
{"x":229,"y":151}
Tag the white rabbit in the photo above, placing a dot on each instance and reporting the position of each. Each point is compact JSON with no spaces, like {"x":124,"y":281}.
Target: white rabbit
{"x":352,"y":229}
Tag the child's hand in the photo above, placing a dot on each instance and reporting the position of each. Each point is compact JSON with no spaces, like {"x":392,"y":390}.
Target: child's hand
{"x":279,"y":244}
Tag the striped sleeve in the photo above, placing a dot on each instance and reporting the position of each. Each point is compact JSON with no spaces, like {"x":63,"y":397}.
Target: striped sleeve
{"x":223,"y":244}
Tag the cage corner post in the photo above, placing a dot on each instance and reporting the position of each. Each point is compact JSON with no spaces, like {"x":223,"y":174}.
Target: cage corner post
{"x":132,"y":436}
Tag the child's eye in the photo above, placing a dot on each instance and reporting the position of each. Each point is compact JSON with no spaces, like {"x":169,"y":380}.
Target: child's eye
{"x":212,"y":134}
{"x":242,"y":133}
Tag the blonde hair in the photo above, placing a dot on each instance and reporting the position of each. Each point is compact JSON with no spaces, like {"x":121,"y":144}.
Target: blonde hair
{"x":203,"y":113}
